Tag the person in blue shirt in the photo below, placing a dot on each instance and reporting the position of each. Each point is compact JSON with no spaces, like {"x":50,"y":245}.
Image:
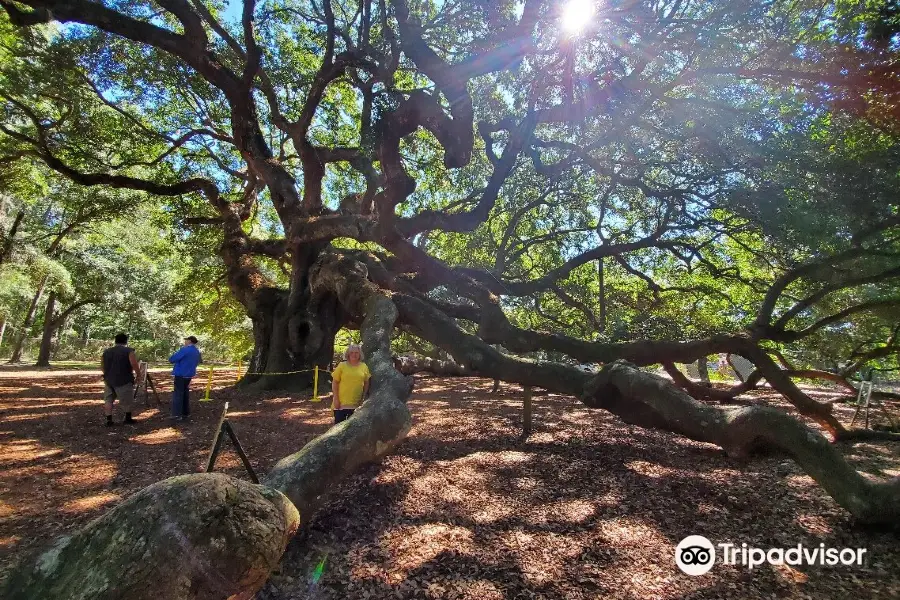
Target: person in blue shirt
{"x":185,"y":360}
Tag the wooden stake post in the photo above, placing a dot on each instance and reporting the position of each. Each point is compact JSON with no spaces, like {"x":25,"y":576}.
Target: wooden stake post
{"x":526,"y":424}
{"x":153,"y":387}
{"x":144,"y":380}
{"x":864,"y":400}
{"x":223,"y":428}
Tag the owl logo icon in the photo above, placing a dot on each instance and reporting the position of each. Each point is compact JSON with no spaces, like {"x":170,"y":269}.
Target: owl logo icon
{"x":695,"y":555}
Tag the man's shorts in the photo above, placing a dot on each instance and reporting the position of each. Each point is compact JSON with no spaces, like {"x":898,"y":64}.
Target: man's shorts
{"x":124,"y":393}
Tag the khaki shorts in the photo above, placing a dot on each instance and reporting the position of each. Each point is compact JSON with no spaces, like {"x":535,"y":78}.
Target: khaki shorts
{"x":124,"y":393}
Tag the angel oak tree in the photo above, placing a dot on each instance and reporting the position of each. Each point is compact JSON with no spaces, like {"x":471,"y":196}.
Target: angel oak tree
{"x":436,"y":167}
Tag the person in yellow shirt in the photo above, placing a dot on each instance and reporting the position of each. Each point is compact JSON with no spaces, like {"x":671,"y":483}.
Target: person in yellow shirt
{"x":349,"y":384}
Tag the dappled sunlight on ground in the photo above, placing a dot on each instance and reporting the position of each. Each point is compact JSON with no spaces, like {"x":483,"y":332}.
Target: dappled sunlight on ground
{"x":161,"y":436}
{"x":90,"y":502}
{"x":585,"y":507}
{"x":60,"y":466}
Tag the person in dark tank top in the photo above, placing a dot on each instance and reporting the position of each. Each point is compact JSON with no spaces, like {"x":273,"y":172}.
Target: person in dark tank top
{"x":120,"y":369}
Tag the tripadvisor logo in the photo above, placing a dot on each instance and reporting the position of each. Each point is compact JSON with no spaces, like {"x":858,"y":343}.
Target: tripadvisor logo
{"x":696,"y":555}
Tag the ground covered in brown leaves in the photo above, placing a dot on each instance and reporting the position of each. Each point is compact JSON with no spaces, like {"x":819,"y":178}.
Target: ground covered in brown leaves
{"x":585,"y":507}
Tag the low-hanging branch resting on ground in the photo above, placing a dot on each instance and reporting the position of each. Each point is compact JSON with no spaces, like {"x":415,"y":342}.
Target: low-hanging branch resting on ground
{"x":379,"y":424}
{"x":651,"y":401}
{"x":214,"y":556}
{"x":648,"y":400}
{"x":495,"y":328}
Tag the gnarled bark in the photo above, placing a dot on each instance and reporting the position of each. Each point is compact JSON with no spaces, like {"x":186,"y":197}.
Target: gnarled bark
{"x":410,"y":365}
{"x":380,"y":423}
{"x":648,"y":400}
{"x":201,"y":536}
{"x":290,"y":336}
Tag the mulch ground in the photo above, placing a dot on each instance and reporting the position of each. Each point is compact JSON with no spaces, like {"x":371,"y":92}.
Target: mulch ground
{"x":585,"y":507}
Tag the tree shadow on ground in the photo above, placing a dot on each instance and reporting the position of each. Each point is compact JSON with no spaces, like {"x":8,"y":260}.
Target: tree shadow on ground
{"x":586,"y":507}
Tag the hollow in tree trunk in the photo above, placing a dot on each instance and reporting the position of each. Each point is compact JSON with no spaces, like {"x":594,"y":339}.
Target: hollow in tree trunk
{"x":290,"y":339}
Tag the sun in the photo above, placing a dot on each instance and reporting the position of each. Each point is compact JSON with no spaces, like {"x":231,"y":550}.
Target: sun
{"x":576,"y":15}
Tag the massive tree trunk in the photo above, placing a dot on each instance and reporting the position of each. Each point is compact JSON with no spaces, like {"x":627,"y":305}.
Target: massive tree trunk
{"x":293,"y":330}
{"x":29,"y":321}
{"x":290,"y":339}
{"x":50,"y":322}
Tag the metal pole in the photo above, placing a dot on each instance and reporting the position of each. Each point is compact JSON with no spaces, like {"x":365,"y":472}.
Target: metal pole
{"x":315,"y":397}
{"x":208,"y":386}
{"x":527,"y":409}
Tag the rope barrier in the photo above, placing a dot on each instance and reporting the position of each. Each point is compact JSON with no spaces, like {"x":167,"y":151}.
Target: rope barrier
{"x":315,"y":371}
{"x":288,"y":372}
{"x":238,"y":376}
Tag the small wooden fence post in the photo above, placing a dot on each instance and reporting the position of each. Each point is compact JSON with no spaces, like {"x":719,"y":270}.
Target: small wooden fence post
{"x":526,"y":425}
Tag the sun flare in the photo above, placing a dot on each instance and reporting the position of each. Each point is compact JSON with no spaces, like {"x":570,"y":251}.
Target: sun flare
{"x":576,"y":15}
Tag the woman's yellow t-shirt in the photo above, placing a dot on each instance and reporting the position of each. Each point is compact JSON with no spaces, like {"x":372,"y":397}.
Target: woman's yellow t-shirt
{"x":351,"y":383}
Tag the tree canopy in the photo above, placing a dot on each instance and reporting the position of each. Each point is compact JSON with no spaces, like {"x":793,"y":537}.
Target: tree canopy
{"x":654,"y":182}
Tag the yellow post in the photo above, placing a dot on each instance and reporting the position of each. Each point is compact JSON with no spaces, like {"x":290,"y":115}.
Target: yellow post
{"x":237,"y":376}
{"x":315,"y":397}
{"x":208,"y":386}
